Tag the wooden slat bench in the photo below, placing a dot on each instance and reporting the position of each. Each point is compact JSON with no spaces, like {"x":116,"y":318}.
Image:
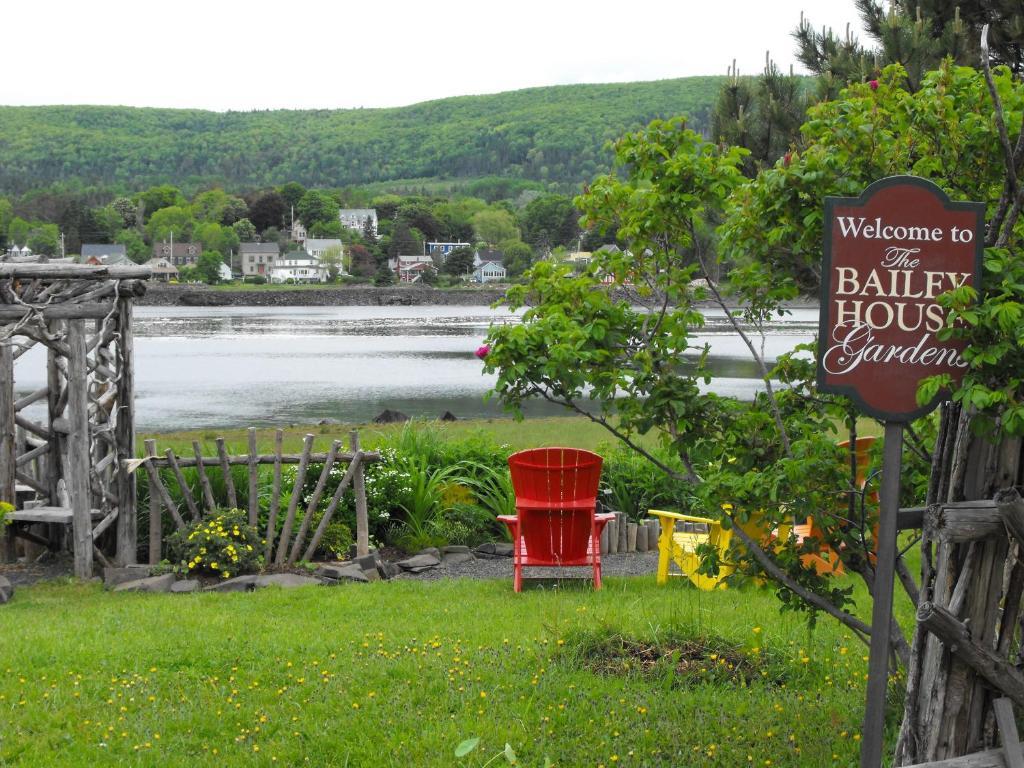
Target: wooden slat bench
{"x":21,"y":519}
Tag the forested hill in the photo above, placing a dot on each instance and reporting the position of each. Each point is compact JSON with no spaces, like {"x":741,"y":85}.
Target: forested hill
{"x":554,"y":134}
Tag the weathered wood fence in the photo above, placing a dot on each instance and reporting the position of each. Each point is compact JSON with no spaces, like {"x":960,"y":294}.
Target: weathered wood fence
{"x":967,"y":649}
{"x":290,"y":545}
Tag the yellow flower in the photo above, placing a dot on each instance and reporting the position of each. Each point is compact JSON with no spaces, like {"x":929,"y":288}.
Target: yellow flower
{"x":214,"y":566}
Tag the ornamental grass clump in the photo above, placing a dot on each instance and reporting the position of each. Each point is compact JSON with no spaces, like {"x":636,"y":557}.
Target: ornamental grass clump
{"x":222,"y":544}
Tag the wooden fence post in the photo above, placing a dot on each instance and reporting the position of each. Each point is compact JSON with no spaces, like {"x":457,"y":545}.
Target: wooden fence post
{"x":7,"y":449}
{"x":124,"y":438}
{"x":155,"y":523}
{"x":78,"y":449}
{"x":359,"y":488}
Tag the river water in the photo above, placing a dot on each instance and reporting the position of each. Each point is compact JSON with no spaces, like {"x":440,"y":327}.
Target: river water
{"x":258,"y":366}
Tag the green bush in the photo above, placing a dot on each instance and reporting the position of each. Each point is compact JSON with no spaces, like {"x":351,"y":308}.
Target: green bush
{"x":255,"y":280}
{"x":631,"y":484}
{"x":336,"y":540}
{"x":464,"y":523}
{"x":222,"y":544}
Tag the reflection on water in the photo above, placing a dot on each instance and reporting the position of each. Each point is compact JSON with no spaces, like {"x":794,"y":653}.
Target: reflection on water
{"x":241,"y":366}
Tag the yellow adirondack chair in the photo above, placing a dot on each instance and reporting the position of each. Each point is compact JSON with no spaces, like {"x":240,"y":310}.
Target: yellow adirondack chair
{"x":680,"y":546}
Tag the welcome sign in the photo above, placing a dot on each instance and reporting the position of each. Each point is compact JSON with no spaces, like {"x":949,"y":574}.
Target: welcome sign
{"x":888,"y":254}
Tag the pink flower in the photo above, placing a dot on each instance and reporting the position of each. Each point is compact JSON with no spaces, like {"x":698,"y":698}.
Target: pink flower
{"x":482,"y":351}
{"x":873,"y":85}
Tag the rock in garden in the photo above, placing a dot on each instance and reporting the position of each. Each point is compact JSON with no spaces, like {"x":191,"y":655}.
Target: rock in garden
{"x":387,"y":570}
{"x":388,"y":416}
{"x":160,"y":583}
{"x":237,"y":584}
{"x":334,"y":574}
{"x":114,"y":576}
{"x":367,"y":562}
{"x":455,"y":554}
{"x":434,"y":551}
{"x":494,"y":549}
{"x":6,"y":590}
{"x":185,"y":585}
{"x":419,"y":563}
{"x":285,"y":580}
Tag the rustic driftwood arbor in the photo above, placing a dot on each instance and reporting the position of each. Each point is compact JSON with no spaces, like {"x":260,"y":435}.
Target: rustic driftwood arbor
{"x":72,"y":457}
{"x":967,"y":652}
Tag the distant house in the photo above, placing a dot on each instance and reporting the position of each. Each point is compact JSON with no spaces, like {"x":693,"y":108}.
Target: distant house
{"x":298,"y":232}
{"x":316,"y":246}
{"x":579,"y":258}
{"x":113,"y":254}
{"x":489,"y":272}
{"x":162,"y":269}
{"x":440,"y":251}
{"x":355,"y":218}
{"x":487,"y":254}
{"x":14,"y":252}
{"x":410,"y":269}
{"x":256,"y":258}
{"x":298,"y":267}
{"x":179,"y":254}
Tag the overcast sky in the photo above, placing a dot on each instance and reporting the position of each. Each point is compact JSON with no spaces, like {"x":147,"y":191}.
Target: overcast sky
{"x":301,"y":54}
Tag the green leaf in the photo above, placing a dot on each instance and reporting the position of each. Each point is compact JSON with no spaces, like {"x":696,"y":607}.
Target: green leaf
{"x":510,"y":754}
{"x":467,"y":746}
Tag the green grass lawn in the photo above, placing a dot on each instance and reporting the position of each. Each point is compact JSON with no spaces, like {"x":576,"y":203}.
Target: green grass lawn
{"x":399,"y":673}
{"x":571,"y":431}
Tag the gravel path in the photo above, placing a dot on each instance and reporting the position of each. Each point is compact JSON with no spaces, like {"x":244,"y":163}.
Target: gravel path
{"x":636,"y":564}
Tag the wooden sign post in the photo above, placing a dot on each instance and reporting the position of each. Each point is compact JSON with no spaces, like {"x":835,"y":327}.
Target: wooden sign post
{"x":888,"y":254}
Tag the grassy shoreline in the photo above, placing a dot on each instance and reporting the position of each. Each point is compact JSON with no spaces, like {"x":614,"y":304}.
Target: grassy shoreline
{"x":570,"y":431}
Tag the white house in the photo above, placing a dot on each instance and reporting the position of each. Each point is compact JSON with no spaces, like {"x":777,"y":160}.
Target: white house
{"x":298,"y":232}
{"x":355,"y":218}
{"x":298,"y":267}
{"x":316,"y":246}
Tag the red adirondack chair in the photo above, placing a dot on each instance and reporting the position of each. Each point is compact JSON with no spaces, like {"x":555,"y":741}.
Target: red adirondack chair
{"x":556,"y":523}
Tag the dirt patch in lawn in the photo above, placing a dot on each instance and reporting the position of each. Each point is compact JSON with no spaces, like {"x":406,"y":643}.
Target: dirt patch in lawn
{"x":675,"y":659}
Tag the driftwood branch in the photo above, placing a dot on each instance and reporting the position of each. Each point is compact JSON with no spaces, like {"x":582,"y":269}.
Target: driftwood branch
{"x":956,"y":636}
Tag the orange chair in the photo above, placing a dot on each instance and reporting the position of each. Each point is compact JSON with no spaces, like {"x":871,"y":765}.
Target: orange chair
{"x":556,"y":522}
{"x":827,"y":562}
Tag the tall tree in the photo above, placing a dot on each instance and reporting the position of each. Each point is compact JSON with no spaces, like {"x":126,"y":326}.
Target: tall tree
{"x":6,"y":214}
{"x":163,"y":196}
{"x":403,"y":241}
{"x":269,"y":209}
{"x":173,"y":219}
{"x":762,"y":115}
{"x":494,"y":225}
{"x":316,"y":207}
{"x":550,"y":221}
{"x":134,"y":245}
{"x":291,"y":193}
{"x":918,"y":34}
{"x":459,"y":262}
{"x":245,"y":230}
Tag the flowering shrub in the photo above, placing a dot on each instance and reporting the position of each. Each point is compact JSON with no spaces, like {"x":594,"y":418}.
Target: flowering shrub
{"x":223,"y":544}
{"x":388,"y":484}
